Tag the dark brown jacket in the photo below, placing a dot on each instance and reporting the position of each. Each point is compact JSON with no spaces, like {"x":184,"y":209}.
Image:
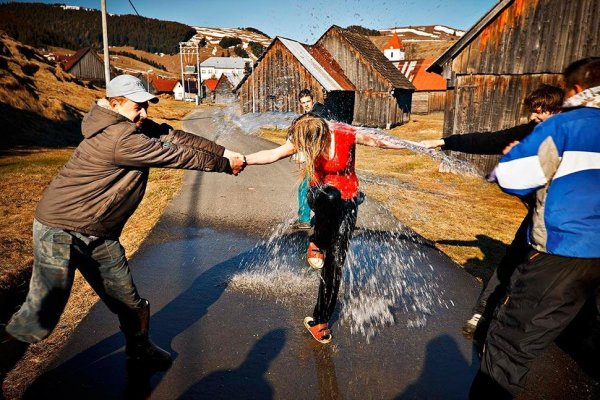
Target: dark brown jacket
{"x":104,"y":181}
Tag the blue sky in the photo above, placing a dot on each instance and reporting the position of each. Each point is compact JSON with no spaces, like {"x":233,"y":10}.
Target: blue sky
{"x":302,"y":20}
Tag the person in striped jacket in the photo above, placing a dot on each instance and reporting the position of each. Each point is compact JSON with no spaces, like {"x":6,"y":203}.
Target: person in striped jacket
{"x":560,"y":163}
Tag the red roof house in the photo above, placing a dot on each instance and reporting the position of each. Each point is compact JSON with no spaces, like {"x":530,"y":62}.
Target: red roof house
{"x":430,"y":88}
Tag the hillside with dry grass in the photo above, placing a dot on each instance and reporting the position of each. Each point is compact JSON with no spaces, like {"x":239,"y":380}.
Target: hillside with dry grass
{"x":40,"y":105}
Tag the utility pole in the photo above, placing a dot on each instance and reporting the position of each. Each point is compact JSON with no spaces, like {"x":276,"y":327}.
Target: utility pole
{"x":105,"y":40}
{"x":253,"y":79}
{"x":181,"y":60}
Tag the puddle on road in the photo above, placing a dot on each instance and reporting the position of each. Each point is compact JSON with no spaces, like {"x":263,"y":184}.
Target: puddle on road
{"x":386,"y":278}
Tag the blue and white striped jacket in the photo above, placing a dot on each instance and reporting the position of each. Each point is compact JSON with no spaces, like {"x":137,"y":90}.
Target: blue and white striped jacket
{"x":561,"y":161}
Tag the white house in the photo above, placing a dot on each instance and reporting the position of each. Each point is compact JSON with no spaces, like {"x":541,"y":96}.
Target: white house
{"x":214,"y":67}
{"x":178,"y":91}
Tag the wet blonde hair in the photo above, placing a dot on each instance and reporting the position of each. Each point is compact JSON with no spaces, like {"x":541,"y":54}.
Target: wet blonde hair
{"x":310,"y":135}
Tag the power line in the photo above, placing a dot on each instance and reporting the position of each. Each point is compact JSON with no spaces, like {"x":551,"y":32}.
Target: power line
{"x":138,"y":14}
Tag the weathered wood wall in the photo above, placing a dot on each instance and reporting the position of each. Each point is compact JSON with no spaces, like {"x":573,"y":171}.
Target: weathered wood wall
{"x":278,"y":79}
{"x":534,"y":36}
{"x":88,"y":68}
{"x":529,"y":43}
{"x":487,"y":103}
{"x":374,"y":104}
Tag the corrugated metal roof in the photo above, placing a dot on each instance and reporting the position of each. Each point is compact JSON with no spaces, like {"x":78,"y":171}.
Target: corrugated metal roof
{"x":225,"y":62}
{"x":416,"y":72}
{"x":312,"y":65}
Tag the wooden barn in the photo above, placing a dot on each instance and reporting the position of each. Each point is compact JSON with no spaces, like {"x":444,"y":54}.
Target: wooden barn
{"x":383,"y":94}
{"x":284,"y":69}
{"x":85,"y":65}
{"x":510,"y":51}
{"x":430,"y":88}
{"x":225,"y":86}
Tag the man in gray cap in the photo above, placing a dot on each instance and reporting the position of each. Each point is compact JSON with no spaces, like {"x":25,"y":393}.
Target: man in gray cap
{"x":82,"y":212}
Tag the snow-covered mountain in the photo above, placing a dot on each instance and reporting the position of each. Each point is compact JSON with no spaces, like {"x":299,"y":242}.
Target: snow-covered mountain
{"x":427,"y":33}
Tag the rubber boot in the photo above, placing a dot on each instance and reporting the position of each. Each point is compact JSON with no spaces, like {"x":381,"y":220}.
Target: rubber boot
{"x":11,"y":351}
{"x":139,"y":348}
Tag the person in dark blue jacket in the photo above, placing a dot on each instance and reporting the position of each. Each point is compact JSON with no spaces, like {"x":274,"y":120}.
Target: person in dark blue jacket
{"x":542,"y":103}
{"x":560,"y":163}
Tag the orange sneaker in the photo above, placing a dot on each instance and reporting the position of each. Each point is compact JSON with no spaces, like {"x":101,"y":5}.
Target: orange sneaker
{"x":319,"y":332}
{"x":315,"y":256}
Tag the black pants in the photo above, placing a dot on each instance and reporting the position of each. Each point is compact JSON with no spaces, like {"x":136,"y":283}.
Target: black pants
{"x":495,"y":289}
{"x":545,"y":294}
{"x":334,"y":220}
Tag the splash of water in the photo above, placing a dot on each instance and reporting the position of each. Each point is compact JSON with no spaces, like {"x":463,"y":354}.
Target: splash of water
{"x":251,"y":124}
{"x":386,"y":279}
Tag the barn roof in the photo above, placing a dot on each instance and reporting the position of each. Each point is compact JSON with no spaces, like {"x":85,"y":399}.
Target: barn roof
{"x":75,"y":58}
{"x":233,"y":77}
{"x":211,"y":83}
{"x":319,"y":63}
{"x":373,"y":56}
{"x":163,"y":84}
{"x":416,"y":72}
{"x":468,"y":37}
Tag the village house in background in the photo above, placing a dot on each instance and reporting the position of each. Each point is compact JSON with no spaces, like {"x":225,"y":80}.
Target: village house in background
{"x":208,"y":89}
{"x":284,"y":69}
{"x":394,"y":50}
{"x":225,"y":87}
{"x":508,"y":53}
{"x":214,"y":67}
{"x":430,"y":88}
{"x":85,"y":65}
{"x":344,"y":70}
{"x":161,"y":85}
{"x":383,"y":95}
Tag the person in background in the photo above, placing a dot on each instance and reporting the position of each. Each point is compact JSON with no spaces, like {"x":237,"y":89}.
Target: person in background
{"x":308,"y":106}
{"x":559,"y":163}
{"x":329,"y":150}
{"x":82,"y":212}
{"x":542,"y":103}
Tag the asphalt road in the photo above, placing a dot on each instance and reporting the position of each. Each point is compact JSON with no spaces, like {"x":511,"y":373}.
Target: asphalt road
{"x":230,"y":344}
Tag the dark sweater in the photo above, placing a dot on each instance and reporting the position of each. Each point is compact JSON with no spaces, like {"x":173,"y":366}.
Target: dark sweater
{"x":488,"y":142}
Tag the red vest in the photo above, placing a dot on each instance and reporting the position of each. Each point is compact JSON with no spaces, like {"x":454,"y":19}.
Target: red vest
{"x":339,"y":170}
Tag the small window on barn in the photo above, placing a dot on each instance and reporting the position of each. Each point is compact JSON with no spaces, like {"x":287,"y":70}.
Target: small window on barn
{"x":391,"y":54}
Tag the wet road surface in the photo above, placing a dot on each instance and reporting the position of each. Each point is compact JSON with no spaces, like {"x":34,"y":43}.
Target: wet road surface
{"x":229,"y":344}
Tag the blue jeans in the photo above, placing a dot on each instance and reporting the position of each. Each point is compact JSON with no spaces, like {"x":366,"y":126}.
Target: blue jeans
{"x":303,"y":207}
{"x":56,"y":255}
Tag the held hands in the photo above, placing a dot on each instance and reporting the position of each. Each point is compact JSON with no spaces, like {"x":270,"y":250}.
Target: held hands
{"x":237,"y":161}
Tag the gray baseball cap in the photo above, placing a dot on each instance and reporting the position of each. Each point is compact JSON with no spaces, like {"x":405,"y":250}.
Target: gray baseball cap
{"x":130,"y":87}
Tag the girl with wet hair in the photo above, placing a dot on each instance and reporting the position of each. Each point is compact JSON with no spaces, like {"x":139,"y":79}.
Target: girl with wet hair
{"x":333,"y":196}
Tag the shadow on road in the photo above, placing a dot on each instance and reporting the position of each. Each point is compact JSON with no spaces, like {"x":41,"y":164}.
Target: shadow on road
{"x":246,"y":382}
{"x":446,"y":374}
